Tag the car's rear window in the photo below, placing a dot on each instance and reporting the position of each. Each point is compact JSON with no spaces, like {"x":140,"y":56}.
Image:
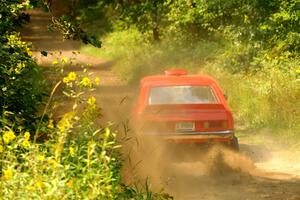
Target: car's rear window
{"x":181,"y":95}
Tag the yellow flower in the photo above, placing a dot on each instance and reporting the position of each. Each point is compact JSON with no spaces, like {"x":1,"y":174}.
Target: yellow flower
{"x":1,"y":148}
{"x":55,"y":62}
{"x":39,"y":184}
{"x":66,"y":80}
{"x":25,"y":143}
{"x":86,"y":82}
{"x":29,"y":52}
{"x":7,"y":174}
{"x":63,"y":126}
{"x":97,"y":81}
{"x":91,"y":101}
{"x":41,"y":158}
{"x":27,"y":135}
{"x":70,"y":184}
{"x":64,"y":60}
{"x":66,"y":122}
{"x":8,"y":136}
{"x":71,"y":151}
{"x":72,"y":76}
{"x":52,"y":163}
{"x":50,"y":125}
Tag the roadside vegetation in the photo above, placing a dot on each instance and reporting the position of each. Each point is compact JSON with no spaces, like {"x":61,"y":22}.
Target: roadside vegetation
{"x":250,"y":47}
{"x":48,"y":157}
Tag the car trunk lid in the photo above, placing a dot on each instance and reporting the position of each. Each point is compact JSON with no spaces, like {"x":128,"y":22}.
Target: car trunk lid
{"x":185,"y":118}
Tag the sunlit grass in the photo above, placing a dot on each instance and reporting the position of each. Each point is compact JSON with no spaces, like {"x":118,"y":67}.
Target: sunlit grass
{"x":267,"y":98}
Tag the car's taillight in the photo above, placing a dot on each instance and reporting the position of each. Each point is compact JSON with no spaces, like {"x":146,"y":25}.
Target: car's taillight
{"x":215,"y":125}
{"x":206,"y":125}
{"x":224,"y":124}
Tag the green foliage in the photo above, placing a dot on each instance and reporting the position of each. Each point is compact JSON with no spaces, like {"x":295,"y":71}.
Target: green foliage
{"x":83,"y":167}
{"x":136,"y":57}
{"x":256,"y":28}
{"x":71,"y":30}
{"x":257,"y":96}
{"x":281,"y":29}
{"x":11,"y":15}
{"x":145,"y":194}
{"x":79,"y":160}
{"x":94,"y":15}
{"x":66,"y":166}
{"x":21,"y":82}
{"x":147,"y":16}
{"x":119,"y":44}
{"x":266,"y":99}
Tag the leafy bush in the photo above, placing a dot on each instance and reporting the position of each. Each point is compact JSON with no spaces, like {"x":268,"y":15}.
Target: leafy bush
{"x":21,"y":83}
{"x":79,"y":160}
{"x":11,"y":15}
{"x":64,"y":167}
{"x":119,"y":44}
{"x":135,"y":56}
{"x":22,"y":88}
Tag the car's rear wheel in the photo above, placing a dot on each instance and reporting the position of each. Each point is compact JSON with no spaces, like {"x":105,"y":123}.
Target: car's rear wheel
{"x":235,"y":144}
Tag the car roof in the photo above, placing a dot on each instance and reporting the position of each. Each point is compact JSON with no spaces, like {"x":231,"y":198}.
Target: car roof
{"x":161,"y":80}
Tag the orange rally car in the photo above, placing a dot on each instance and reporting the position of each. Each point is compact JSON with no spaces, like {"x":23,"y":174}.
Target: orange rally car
{"x":183,"y":108}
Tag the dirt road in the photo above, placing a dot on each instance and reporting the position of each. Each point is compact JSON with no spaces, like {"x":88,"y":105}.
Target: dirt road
{"x":258,"y":172}
{"x":237,"y":177}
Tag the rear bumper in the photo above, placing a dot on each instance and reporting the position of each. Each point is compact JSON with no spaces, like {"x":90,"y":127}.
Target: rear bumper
{"x":196,"y":137}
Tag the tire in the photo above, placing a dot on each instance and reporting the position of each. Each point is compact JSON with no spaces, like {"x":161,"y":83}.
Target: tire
{"x":235,"y":144}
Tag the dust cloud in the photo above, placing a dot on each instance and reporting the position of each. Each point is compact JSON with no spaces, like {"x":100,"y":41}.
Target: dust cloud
{"x":161,"y":162}
{"x":195,"y":172}
{"x":190,"y":172}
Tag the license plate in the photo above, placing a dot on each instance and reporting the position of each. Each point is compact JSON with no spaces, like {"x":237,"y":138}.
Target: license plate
{"x":185,"y":126}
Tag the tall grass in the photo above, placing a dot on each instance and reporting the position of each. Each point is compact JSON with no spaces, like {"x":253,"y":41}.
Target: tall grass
{"x":266,"y":99}
{"x":136,"y":57}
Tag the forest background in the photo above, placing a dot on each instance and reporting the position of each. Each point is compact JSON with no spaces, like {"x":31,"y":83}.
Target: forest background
{"x":251,"y":48}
